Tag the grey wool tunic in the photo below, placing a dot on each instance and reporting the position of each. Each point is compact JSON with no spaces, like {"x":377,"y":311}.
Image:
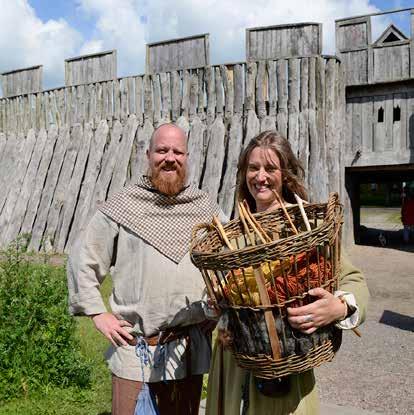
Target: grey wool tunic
{"x":149,"y":290}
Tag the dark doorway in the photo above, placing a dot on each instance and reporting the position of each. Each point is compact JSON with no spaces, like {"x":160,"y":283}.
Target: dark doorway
{"x":376,"y":195}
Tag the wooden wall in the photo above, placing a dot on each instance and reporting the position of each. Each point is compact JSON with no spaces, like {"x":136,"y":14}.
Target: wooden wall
{"x":282,"y":41}
{"x":184,"y":53}
{"x":96,"y":67}
{"x":21,"y":81}
{"x":366,"y":61}
{"x":380,"y":125}
{"x":62,"y":152}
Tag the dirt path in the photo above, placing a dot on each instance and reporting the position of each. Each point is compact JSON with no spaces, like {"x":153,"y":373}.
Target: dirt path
{"x":376,"y":372}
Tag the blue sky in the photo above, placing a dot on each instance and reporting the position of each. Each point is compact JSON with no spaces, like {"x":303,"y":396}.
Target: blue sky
{"x":34,"y":32}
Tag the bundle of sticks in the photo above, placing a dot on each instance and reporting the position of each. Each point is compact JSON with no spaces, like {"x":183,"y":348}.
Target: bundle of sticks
{"x":286,"y":279}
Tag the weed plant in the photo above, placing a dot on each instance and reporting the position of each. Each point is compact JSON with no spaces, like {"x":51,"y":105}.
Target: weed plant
{"x":38,"y":346}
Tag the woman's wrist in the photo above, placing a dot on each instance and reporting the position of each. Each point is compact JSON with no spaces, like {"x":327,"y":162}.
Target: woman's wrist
{"x":343,"y":308}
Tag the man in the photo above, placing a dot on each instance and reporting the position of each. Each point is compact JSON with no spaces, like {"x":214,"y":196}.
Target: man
{"x":144,"y":234}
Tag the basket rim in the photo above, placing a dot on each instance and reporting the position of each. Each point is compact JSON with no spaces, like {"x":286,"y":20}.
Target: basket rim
{"x":198,"y":256}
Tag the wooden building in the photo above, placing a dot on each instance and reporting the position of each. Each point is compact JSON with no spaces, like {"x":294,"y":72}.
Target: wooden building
{"x":379,"y":78}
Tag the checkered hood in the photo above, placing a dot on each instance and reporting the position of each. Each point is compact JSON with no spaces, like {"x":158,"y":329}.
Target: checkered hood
{"x":165,"y":222}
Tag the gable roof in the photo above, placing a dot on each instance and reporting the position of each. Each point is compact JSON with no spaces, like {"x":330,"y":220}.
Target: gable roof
{"x":391,"y":34}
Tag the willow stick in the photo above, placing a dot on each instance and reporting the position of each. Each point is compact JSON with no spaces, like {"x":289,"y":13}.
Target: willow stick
{"x":282,"y":205}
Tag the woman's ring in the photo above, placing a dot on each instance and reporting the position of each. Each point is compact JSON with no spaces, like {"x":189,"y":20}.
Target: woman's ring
{"x":307,"y":318}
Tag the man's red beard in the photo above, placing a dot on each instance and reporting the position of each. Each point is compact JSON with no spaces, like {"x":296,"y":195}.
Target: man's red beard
{"x":167,"y":183}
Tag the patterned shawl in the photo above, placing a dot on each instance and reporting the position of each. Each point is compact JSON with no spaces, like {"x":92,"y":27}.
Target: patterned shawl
{"x":165,"y":222}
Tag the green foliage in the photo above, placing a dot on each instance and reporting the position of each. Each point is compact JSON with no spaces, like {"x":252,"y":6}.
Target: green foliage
{"x":38,"y":346}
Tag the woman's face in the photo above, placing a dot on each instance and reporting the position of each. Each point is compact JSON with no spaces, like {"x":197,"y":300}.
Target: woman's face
{"x":263,"y":177}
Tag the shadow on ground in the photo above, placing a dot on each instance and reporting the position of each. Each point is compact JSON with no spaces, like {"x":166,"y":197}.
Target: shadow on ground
{"x":384,"y":237}
{"x":397,"y":320}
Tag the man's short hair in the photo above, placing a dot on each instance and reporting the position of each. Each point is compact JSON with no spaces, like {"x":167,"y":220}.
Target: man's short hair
{"x":170,"y":124}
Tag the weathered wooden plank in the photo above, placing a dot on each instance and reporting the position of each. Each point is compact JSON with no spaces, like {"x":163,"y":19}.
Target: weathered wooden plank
{"x":123,"y":87}
{"x":391,"y":63}
{"x":238,"y":88}
{"x":211,"y":95}
{"x":234,"y":146}
{"x":116,"y":99}
{"x":175,"y":95}
{"x":139,"y":161}
{"x":196,"y":150}
{"x":49,"y":188}
{"x":82,"y":217}
{"x":184,"y":53}
{"x":379,"y":123}
{"x":320,"y":122}
{"x":16,"y":185}
{"x":100,"y":115}
{"x":193,"y":101}
{"x":252,"y":127}
{"x":271,"y":73}
{"x":227,"y":77}
{"x":109,"y":160}
{"x":282,"y":96}
{"x":11,"y":157}
{"x":331,"y":126}
{"x":251,"y":73}
{"x":352,"y":35}
{"x":107,"y":100}
{"x":148,"y":99}
{"x":74,"y":186}
{"x":3,"y":142}
{"x":409,"y":144}
{"x":131,"y":95}
{"x":165,"y":97}
{"x":293,"y":105}
{"x":388,"y":143}
{"x":367,"y":123}
{"x":215,"y":157}
{"x":201,"y":96}
{"x":59,"y":197}
{"x":139,"y":100}
{"x":314,"y":171}
{"x":120,"y":175}
{"x":261,"y":89}
{"x":185,"y":101}
{"x":34,"y":201}
{"x":303,"y":148}
{"x":27,"y":188}
{"x":399,"y":126}
{"x":156,"y":99}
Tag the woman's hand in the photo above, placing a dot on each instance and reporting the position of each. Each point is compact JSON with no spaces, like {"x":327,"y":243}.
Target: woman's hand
{"x":322,"y":312}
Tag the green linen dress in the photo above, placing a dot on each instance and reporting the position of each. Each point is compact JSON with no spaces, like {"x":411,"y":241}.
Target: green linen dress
{"x":226,"y":379}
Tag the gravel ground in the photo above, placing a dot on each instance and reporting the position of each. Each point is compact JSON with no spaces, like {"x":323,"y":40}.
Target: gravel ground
{"x":376,"y":372}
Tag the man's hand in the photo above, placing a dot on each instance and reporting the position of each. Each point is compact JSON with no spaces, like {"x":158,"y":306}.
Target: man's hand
{"x":112,"y":328}
{"x":320,"y":313}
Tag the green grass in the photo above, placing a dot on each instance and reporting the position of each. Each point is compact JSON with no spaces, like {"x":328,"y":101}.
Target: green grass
{"x":73,"y":401}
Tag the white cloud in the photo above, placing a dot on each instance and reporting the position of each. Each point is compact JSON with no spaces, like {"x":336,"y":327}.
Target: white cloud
{"x":127,"y":25}
{"x":27,"y":41}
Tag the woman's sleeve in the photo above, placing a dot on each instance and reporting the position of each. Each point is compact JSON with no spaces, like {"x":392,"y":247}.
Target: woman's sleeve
{"x":88,"y":264}
{"x":351,"y":280}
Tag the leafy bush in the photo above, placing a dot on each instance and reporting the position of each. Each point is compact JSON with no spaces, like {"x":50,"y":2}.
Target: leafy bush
{"x":38,"y":347}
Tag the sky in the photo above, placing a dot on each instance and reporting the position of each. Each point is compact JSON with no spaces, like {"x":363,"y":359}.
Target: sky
{"x":46,"y":32}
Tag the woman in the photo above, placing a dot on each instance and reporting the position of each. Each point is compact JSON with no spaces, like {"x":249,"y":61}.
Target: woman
{"x":268,"y":166}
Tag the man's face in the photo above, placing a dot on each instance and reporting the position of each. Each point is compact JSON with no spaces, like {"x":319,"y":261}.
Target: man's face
{"x":168,"y":160}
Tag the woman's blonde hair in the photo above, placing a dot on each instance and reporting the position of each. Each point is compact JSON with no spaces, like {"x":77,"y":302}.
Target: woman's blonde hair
{"x":292,"y":170}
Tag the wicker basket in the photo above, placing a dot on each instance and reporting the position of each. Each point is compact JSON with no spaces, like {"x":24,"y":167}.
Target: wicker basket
{"x":254,"y":280}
